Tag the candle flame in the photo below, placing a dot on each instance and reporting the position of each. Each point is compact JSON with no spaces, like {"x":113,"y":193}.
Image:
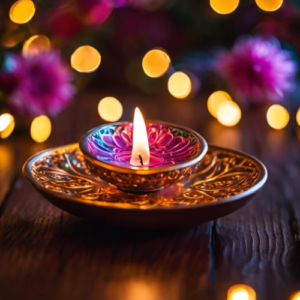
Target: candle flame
{"x":140,"y":149}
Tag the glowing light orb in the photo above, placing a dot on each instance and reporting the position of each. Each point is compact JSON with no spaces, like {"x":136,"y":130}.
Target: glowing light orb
{"x":156,"y":63}
{"x":295,"y":296}
{"x":224,"y":7}
{"x":110,"y":109}
{"x":269,"y":5}
{"x":215,"y":99}
{"x":229,"y":113}
{"x":277,"y":117}
{"x":35,"y":45}
{"x":298,"y":120}
{"x":179,"y":85}
{"x":85,"y":59}
{"x":22,"y":11}
{"x":7,"y":125}
{"x":241,"y":292}
{"x":40,"y":129}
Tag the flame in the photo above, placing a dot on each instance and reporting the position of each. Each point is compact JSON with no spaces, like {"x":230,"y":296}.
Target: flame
{"x":140,"y":150}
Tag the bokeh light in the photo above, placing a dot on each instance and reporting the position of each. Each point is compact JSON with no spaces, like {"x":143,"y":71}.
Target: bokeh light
{"x":227,"y":137}
{"x":40,"y":129}
{"x":156,"y":63}
{"x":141,"y":290}
{"x":110,"y":109}
{"x":215,"y":99}
{"x":224,"y":7}
{"x":269,"y":5}
{"x":85,"y":59}
{"x":229,"y":113}
{"x":35,"y":45}
{"x":7,"y":125}
{"x":277,"y":116}
{"x":295,"y":296}
{"x":179,"y":85}
{"x":22,"y":11}
{"x":298,"y":117}
{"x":12,"y":38}
{"x":241,"y":292}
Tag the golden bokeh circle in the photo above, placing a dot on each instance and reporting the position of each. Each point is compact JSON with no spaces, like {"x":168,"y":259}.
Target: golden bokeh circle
{"x":110,"y":109}
{"x":269,"y":5}
{"x":298,"y":120}
{"x":277,"y":117}
{"x":215,"y":99}
{"x":85,"y":59}
{"x":179,"y":85}
{"x":156,"y":63}
{"x":7,"y":125}
{"x":295,"y":296}
{"x":35,"y":45}
{"x":229,"y":113}
{"x":40,"y":129}
{"x":22,"y":11}
{"x":224,"y":7}
{"x":241,"y":292}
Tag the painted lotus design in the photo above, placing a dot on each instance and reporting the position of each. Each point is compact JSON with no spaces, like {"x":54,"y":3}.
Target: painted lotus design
{"x":168,"y":145}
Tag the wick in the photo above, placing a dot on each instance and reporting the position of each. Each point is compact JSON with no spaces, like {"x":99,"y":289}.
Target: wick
{"x":141,"y":159}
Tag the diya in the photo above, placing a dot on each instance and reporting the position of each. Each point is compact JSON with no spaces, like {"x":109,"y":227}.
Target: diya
{"x":139,"y":158}
{"x":154,"y":176}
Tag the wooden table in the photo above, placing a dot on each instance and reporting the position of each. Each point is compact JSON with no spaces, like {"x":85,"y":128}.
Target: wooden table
{"x":46,"y":253}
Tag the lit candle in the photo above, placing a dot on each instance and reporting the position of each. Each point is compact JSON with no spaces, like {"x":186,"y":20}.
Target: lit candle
{"x":140,"y":155}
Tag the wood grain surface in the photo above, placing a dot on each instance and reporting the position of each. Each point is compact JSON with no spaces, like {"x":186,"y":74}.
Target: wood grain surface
{"x":48,"y":254}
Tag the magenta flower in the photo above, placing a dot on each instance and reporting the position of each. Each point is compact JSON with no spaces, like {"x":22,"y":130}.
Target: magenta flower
{"x":257,"y":69}
{"x":96,"y":12}
{"x":42,"y":84}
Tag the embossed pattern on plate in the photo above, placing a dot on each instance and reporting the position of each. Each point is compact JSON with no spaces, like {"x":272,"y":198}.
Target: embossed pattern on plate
{"x":221,"y":175}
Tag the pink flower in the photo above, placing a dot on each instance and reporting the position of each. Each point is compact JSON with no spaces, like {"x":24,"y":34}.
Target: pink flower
{"x":257,"y":69}
{"x":96,"y":12}
{"x":43,"y":84}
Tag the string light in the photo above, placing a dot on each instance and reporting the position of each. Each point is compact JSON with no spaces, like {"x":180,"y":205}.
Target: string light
{"x":295,"y":296}
{"x":215,"y":99}
{"x":7,"y":125}
{"x":156,"y":63}
{"x":229,"y":113}
{"x":22,"y":11}
{"x":85,"y":59}
{"x":40,"y":129}
{"x":241,"y":292}
{"x":179,"y":85}
{"x":277,"y":116}
{"x":35,"y":45}
{"x":269,"y":5}
{"x":110,"y":109}
{"x":224,"y":7}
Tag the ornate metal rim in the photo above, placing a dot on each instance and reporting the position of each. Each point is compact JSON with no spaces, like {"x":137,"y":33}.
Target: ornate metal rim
{"x":263,"y":174}
{"x":145,"y":170}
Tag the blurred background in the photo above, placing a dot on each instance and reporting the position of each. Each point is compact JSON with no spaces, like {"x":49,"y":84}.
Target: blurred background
{"x":228,"y":69}
{"x":230,"y":56}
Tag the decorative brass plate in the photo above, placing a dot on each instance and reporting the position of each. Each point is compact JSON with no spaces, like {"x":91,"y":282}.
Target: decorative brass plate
{"x":223,"y":183}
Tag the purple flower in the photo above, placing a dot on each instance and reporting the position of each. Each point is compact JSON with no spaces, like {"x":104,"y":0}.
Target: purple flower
{"x":257,"y":69}
{"x":43,"y":84}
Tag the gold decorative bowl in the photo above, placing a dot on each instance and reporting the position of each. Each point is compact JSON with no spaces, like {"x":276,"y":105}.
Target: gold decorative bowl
{"x":224,"y":182}
{"x":175,"y":154}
